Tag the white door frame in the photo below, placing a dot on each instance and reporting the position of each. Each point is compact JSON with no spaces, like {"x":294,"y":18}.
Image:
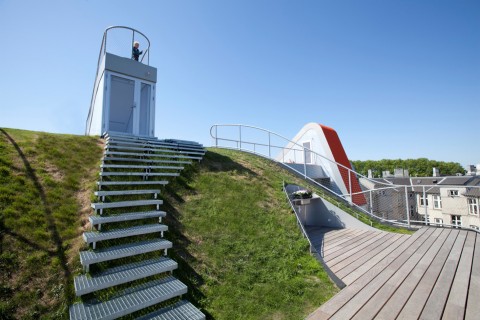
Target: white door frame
{"x":136,"y":102}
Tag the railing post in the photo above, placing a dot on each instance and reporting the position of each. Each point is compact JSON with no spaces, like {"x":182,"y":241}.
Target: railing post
{"x":269,"y":146}
{"x":240,"y":130}
{"x":425,"y":205}
{"x":406,"y":206}
{"x":131,"y":43}
{"x":371,"y":203}
{"x":350,"y":185}
{"x":216,"y":136}
{"x":304,"y":164}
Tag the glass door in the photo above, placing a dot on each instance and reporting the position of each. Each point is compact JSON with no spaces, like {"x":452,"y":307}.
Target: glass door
{"x":122,"y":105}
{"x":145,"y":114}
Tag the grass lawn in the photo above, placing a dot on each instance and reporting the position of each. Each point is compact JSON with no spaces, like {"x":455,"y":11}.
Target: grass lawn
{"x":235,"y":230}
{"x":45,"y":185}
{"x":234,"y":235}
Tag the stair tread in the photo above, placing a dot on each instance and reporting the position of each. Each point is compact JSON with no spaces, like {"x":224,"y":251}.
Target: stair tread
{"x":147,"y":140}
{"x":131,"y":166}
{"x":158,"y":148}
{"x":86,"y":284}
{"x":122,"y":251}
{"x":182,"y":310}
{"x":183,"y":147}
{"x":130,"y":203}
{"x":125,"y":192}
{"x":151,"y":155}
{"x":94,"y":236}
{"x":145,"y":160}
{"x":121,"y":183}
{"x":130,"y":300}
{"x":140,"y":174}
{"x":94,"y":220}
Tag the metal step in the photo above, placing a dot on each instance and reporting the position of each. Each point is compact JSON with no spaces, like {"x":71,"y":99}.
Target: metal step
{"x":161,"y":149}
{"x":138,"y":174}
{"x":171,"y":142}
{"x":99,"y":220}
{"x":95,"y":236}
{"x":129,"y":183}
{"x":179,"y":141}
{"x":185,"y":147}
{"x":182,"y":310}
{"x":108,"y":136}
{"x":151,"y":155}
{"x":104,"y":194}
{"x":121,"y":204}
{"x":131,"y":300}
{"x":112,"y":277}
{"x":131,"y":166}
{"x":105,"y":159}
{"x":125,"y":250}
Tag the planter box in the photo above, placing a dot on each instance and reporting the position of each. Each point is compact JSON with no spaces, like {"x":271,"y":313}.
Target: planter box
{"x":302,"y":202}
{"x":305,"y":201}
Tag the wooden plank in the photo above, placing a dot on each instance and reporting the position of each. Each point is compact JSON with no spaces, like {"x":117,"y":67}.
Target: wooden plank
{"x":385,"y":240}
{"x":339,"y":235}
{"x":394,"y":305}
{"x":355,"y":245}
{"x":401,"y":265}
{"x":331,"y":307}
{"x":417,"y":300}
{"x":457,"y":299}
{"x":438,"y":297}
{"x":317,"y":235}
{"x":367,"y":266}
{"x":334,"y":232}
{"x":408,"y":275}
{"x":347,"y":245}
{"x":332,"y":244}
{"x":473,"y":301}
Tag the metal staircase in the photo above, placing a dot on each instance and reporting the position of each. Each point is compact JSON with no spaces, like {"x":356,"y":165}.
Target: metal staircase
{"x":126,"y":244}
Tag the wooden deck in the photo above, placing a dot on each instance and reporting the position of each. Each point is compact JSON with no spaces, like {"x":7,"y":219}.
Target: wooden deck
{"x":432,"y":274}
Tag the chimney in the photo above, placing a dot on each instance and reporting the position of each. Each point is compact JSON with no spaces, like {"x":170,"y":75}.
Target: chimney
{"x":436,"y":172}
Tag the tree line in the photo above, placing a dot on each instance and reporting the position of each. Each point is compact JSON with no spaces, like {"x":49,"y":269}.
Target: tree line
{"x":421,"y":167}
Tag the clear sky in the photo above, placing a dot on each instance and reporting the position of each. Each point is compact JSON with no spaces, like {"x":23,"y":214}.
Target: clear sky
{"x":395,"y":79}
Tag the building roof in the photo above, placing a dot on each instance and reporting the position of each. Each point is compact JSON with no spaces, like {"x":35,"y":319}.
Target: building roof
{"x":461,"y":180}
{"x":472,"y":192}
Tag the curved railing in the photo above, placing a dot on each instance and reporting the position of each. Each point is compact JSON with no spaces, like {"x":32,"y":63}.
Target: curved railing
{"x":117,"y":40}
{"x":386,"y":202}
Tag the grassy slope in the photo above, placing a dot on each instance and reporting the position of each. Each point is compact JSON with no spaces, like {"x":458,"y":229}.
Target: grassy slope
{"x":42,"y":179}
{"x":235,"y":230}
{"x":234,"y":235}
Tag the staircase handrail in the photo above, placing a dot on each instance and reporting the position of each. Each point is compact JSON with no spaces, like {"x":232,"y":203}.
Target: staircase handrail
{"x":345,"y":197}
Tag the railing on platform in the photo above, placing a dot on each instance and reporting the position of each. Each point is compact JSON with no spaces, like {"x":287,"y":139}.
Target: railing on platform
{"x":395,"y":204}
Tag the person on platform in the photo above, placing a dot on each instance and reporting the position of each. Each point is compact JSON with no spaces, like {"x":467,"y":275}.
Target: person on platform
{"x":135,"y":52}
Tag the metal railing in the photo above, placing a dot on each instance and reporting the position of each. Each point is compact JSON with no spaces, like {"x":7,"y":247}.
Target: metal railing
{"x":387,"y":202}
{"x":117,"y":40}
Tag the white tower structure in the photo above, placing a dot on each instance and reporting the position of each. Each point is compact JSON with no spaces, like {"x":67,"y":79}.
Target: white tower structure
{"x":123,"y":98}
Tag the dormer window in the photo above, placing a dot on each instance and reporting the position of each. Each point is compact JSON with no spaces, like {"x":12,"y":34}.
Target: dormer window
{"x":453,"y":193}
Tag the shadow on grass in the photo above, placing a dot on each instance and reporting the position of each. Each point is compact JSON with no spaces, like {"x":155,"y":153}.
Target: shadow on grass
{"x":180,"y":252}
{"x":60,"y":252}
{"x":216,"y":162}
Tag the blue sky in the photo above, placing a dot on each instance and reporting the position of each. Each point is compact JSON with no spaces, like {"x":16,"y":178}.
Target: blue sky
{"x":395,"y":79}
